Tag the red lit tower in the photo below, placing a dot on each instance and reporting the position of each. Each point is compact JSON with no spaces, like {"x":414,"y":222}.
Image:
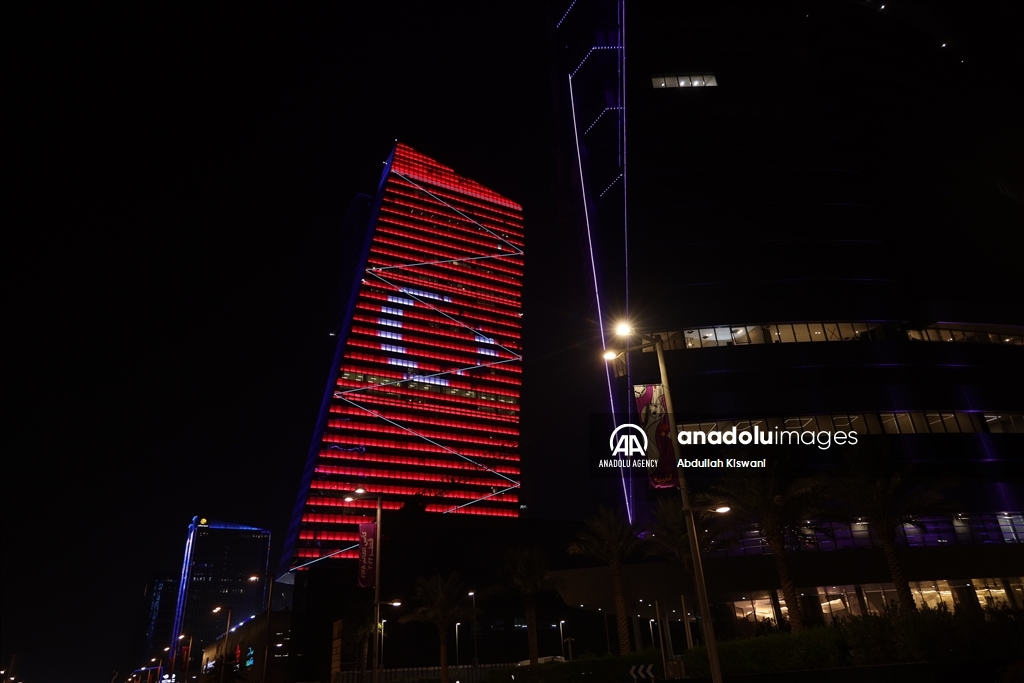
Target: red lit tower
{"x":423,"y":405}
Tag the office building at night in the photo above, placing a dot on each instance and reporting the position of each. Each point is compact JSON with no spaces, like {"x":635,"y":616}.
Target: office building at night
{"x":422,"y":404}
{"x":763,"y":187}
{"x":225,"y":566}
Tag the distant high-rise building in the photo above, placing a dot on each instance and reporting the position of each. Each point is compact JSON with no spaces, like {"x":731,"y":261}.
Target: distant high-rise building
{"x":225,"y":566}
{"x":422,"y":405}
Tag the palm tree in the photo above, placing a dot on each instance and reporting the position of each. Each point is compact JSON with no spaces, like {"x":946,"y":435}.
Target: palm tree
{"x":442,"y":602}
{"x":874,"y":488}
{"x":610,"y":537}
{"x":775,"y":503}
{"x":525,"y":571}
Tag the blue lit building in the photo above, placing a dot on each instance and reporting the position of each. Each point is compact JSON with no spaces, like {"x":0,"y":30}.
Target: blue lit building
{"x":225,"y":566}
{"x":763,"y":186}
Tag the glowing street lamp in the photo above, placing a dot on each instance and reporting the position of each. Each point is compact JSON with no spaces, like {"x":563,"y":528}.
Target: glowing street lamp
{"x":623,"y":329}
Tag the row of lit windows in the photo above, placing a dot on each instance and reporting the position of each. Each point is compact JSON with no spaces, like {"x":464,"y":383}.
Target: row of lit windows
{"x":436,"y":329}
{"x":452,"y":227}
{"x":435,"y":203}
{"x":430,"y":205}
{"x":383,"y":259}
{"x":421,"y":447}
{"x":430,"y":343}
{"x":460,"y":264}
{"x":377,"y":294}
{"x":431,"y":409}
{"x":375,"y":487}
{"x":878,"y":423}
{"x":421,"y":235}
{"x":473,"y":510}
{"x":426,"y":419}
{"x":415,"y":398}
{"x":428,"y":384}
{"x":349,"y":536}
{"x":437,"y":485}
{"x":838,"y":602}
{"x":480,"y":378}
{"x":406,"y":460}
{"x":463,"y":308}
{"x":342,"y":490}
{"x":432,"y":476}
{"x":418,"y":354}
{"x":939,"y":334}
{"x":685,"y":81}
{"x":420,"y":207}
{"x":419,"y":433}
{"x":934,"y":532}
{"x":467,"y":205}
{"x":783,"y":333}
{"x":429,"y":171}
{"x":429,"y":368}
{"x":499,"y":395}
{"x":419,"y":277}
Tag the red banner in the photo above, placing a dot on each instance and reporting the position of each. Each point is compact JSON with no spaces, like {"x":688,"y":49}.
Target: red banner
{"x":650,"y":402}
{"x":367,"y":554}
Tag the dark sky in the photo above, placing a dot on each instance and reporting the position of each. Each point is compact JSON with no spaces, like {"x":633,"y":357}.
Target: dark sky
{"x":174,"y":181}
{"x":174,"y":177}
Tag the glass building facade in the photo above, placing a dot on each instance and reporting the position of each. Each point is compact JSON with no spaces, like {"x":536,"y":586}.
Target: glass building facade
{"x":422,"y":408}
{"x":760,"y":186}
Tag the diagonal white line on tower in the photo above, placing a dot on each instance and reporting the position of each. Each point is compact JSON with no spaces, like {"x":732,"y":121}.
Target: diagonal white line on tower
{"x":519,"y":252}
{"x":490,"y":495}
{"x":431,"y":441}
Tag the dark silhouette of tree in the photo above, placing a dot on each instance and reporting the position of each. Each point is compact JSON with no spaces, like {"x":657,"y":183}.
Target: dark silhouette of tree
{"x":776,"y":503}
{"x":875,"y":488}
{"x":610,"y":538}
{"x":442,"y":602}
{"x":525,"y":571}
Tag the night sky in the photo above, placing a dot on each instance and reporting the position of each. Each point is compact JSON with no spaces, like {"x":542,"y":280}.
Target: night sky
{"x":174,"y":180}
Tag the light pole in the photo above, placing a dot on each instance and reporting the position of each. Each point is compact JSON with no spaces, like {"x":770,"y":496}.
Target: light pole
{"x":624,"y":330}
{"x":227,"y":630}
{"x":457,"y":624}
{"x":382,"y":622}
{"x":561,"y":637}
{"x":376,"y":586}
{"x":476,"y":659}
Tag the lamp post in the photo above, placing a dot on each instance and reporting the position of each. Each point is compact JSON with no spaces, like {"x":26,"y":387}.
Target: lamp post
{"x":382,"y":622}
{"x":457,"y":624}
{"x":561,"y":637}
{"x":476,"y":659}
{"x":624,"y":330}
{"x":376,"y":584}
{"x":227,"y":630}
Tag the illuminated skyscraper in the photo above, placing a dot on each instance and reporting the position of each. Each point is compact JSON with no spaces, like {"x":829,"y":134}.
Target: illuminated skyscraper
{"x":422,"y":406}
{"x":225,"y":566}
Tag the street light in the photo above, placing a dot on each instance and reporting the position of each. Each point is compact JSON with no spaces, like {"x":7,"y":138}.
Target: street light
{"x":227,"y":631}
{"x":561,"y":637}
{"x":624,"y":330}
{"x":177,"y":648}
{"x":382,"y":622}
{"x":476,"y":660}
{"x":457,"y":624}
{"x":376,"y":585}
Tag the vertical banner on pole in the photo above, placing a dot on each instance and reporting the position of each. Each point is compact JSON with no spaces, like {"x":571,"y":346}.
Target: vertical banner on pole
{"x":367,"y":554}
{"x":650,"y":405}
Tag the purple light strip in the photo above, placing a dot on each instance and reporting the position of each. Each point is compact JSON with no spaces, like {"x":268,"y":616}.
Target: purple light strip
{"x":625,"y":224}
{"x":593,"y":270}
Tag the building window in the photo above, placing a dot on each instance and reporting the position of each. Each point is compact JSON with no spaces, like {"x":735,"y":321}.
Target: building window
{"x":685,"y":81}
